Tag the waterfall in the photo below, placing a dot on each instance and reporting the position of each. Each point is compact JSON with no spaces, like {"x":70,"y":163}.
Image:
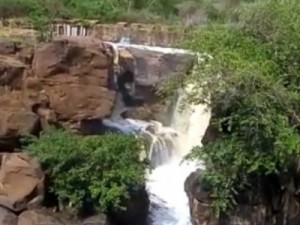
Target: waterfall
{"x":166,"y":182}
{"x":166,"y":148}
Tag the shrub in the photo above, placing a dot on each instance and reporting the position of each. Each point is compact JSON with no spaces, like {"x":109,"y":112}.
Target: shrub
{"x":101,"y":169}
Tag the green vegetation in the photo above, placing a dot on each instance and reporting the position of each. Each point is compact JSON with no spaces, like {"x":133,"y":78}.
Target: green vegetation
{"x":251,"y":82}
{"x":114,"y":10}
{"x":250,"y":79}
{"x":90,"y":169}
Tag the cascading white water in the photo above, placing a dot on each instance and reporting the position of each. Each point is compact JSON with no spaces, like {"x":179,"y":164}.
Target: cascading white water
{"x":166,"y":182}
{"x":167,"y":147}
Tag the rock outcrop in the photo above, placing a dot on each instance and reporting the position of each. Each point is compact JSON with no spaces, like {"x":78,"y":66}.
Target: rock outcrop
{"x":74,"y":74}
{"x":149,"y":66}
{"x":7,"y":217}
{"x":21,"y":181}
{"x":70,"y":82}
{"x":63,"y":82}
{"x":37,"y":217}
{"x":253,"y":207}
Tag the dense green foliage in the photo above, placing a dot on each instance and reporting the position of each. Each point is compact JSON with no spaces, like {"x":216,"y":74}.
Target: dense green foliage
{"x":251,"y":82}
{"x":83,"y":169}
{"x":112,"y":10}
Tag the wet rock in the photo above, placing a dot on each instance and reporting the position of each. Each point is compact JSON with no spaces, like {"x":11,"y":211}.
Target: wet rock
{"x":38,"y":217}
{"x":21,"y":181}
{"x":7,"y":217}
{"x":150,"y":67}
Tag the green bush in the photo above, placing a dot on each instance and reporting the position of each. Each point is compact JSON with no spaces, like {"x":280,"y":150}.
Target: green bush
{"x":101,"y":169}
{"x":113,"y":10}
{"x":251,"y":83}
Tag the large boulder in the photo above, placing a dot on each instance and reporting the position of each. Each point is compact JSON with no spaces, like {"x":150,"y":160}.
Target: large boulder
{"x":21,"y":181}
{"x":74,"y":73}
{"x":63,"y":82}
{"x":21,"y":50}
{"x":16,"y":119}
{"x":200,"y":208}
{"x":150,"y":66}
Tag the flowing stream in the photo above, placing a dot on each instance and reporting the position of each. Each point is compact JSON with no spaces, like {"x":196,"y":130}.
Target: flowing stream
{"x":166,"y":148}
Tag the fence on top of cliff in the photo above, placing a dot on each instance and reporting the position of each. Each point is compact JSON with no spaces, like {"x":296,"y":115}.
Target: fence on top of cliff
{"x":147,"y":34}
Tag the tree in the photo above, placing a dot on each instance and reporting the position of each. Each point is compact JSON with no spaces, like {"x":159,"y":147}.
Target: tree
{"x":249,"y":76}
{"x":90,"y":170}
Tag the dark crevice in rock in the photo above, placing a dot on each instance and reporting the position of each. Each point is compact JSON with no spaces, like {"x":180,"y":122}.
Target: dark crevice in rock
{"x":50,"y":199}
{"x":94,"y":127}
{"x":126,"y":84}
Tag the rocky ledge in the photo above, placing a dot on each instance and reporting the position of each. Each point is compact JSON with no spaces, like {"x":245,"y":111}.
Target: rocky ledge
{"x":63,"y":82}
{"x":71,"y":82}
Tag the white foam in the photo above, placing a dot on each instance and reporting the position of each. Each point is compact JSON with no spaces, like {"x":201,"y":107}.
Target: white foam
{"x":167,"y":147}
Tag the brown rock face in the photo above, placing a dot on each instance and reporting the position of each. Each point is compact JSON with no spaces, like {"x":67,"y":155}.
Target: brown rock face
{"x":7,"y":47}
{"x":22,"y":51}
{"x":100,"y":219}
{"x":38,"y":217}
{"x":63,"y":82}
{"x":150,"y":66}
{"x":21,"y":181}
{"x":7,"y":217}
{"x":74,"y":74}
{"x":200,"y":208}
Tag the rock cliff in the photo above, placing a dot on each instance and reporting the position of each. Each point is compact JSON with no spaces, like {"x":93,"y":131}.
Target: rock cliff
{"x":63,"y":82}
{"x":69,"y":82}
